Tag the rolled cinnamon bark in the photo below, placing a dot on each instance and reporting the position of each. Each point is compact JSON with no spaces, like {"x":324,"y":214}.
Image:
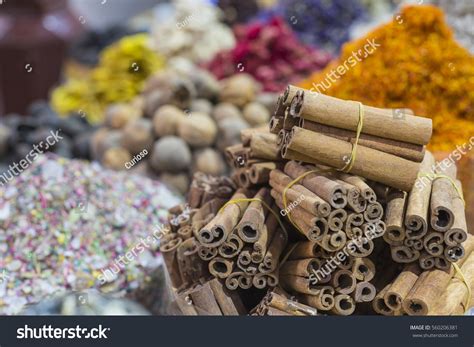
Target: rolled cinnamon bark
{"x":366,"y":191}
{"x":302,"y":267}
{"x":336,"y":219}
{"x":232,"y":281}
{"x":231,"y":247}
{"x":395,"y":171}
{"x":275,"y":249}
{"x":458,"y":232}
{"x":379,"y":304}
{"x":260,"y":172}
{"x":353,"y":220}
{"x":364,"y":292}
{"x":206,"y":253}
{"x":169,"y":252}
{"x":344,"y":305}
{"x":303,"y":250}
{"x":298,"y":284}
{"x":373,"y":212}
{"x":185,"y":304}
{"x":323,"y":300}
{"x":401,"y":149}
{"x":343,"y":281}
{"x":229,"y":302}
{"x":288,"y":305}
{"x":263,"y":145}
{"x":427,"y":261}
{"x":433,"y":243}
{"x":344,"y":114}
{"x":363,"y":269}
{"x":416,"y":220}
{"x":221,"y":267}
{"x":394,"y":215}
{"x":247,"y":134}
{"x":276,"y":124}
{"x":401,"y":286}
{"x":332,"y":192}
{"x":456,"y":294}
{"x":442,"y":215}
{"x":311,"y":202}
{"x":205,"y":301}
{"x":218,"y":229}
{"x":245,"y":281}
{"x":191,"y":268}
{"x":250,"y":226}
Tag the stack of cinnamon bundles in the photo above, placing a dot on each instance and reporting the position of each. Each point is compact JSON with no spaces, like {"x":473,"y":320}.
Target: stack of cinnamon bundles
{"x":316,"y":128}
{"x":428,"y":225}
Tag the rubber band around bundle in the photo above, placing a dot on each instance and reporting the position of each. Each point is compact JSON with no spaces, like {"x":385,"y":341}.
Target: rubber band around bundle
{"x":348,"y":167}
{"x":464,"y":280}
{"x":433,"y":177}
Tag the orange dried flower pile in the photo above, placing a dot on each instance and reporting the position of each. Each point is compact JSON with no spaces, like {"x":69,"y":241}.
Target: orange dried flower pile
{"x":418,"y":65}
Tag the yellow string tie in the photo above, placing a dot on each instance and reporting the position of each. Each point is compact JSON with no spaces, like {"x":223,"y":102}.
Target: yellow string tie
{"x":236,"y":201}
{"x":285,"y":200}
{"x":348,"y":167}
{"x":433,"y":177}
{"x":463,"y":278}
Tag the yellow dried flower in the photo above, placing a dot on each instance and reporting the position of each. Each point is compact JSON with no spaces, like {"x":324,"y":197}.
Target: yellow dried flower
{"x":123,"y":67}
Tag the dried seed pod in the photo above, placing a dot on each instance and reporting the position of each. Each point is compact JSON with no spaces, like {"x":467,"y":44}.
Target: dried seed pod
{"x":137,"y":136}
{"x":226,"y":110}
{"x":239,"y":89}
{"x":180,"y":181}
{"x":170,"y":154}
{"x":115,"y":158}
{"x":209,"y":161}
{"x":198,"y":130}
{"x":166,"y":120}
{"x":202,"y":106}
{"x":229,"y":130}
{"x":102,"y":140}
{"x":118,"y":115}
{"x":256,"y":114}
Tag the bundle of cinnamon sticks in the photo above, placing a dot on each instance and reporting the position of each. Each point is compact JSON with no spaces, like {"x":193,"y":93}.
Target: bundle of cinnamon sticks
{"x":254,"y":158}
{"x":346,"y":135}
{"x":415,"y":291}
{"x":429,"y":223}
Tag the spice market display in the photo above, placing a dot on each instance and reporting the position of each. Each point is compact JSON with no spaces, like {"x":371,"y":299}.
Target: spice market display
{"x":221,"y":158}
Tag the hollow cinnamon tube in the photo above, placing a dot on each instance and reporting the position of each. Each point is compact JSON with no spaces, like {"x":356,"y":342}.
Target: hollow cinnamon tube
{"x":332,"y":192}
{"x":231,"y":247}
{"x":442,"y":216}
{"x":260,"y":172}
{"x":191,"y":267}
{"x":218,"y":229}
{"x":344,"y":305}
{"x":220,"y":267}
{"x":261,"y":245}
{"x":394,"y":215}
{"x":323,"y":300}
{"x":364,"y":292}
{"x":366,"y":191}
{"x":343,"y":282}
{"x":206,"y":253}
{"x":404,"y":254}
{"x":373,"y":212}
{"x":395,"y":171}
{"x":298,"y":284}
{"x":336,"y":219}
{"x":401,"y":286}
{"x":303,"y":249}
{"x":354,"y":199}
{"x":401,"y":149}
{"x":379,"y":304}
{"x":232,"y":281}
{"x":363,"y":269}
{"x":344,"y":114}
{"x":250,"y":226}
{"x":275,"y":249}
